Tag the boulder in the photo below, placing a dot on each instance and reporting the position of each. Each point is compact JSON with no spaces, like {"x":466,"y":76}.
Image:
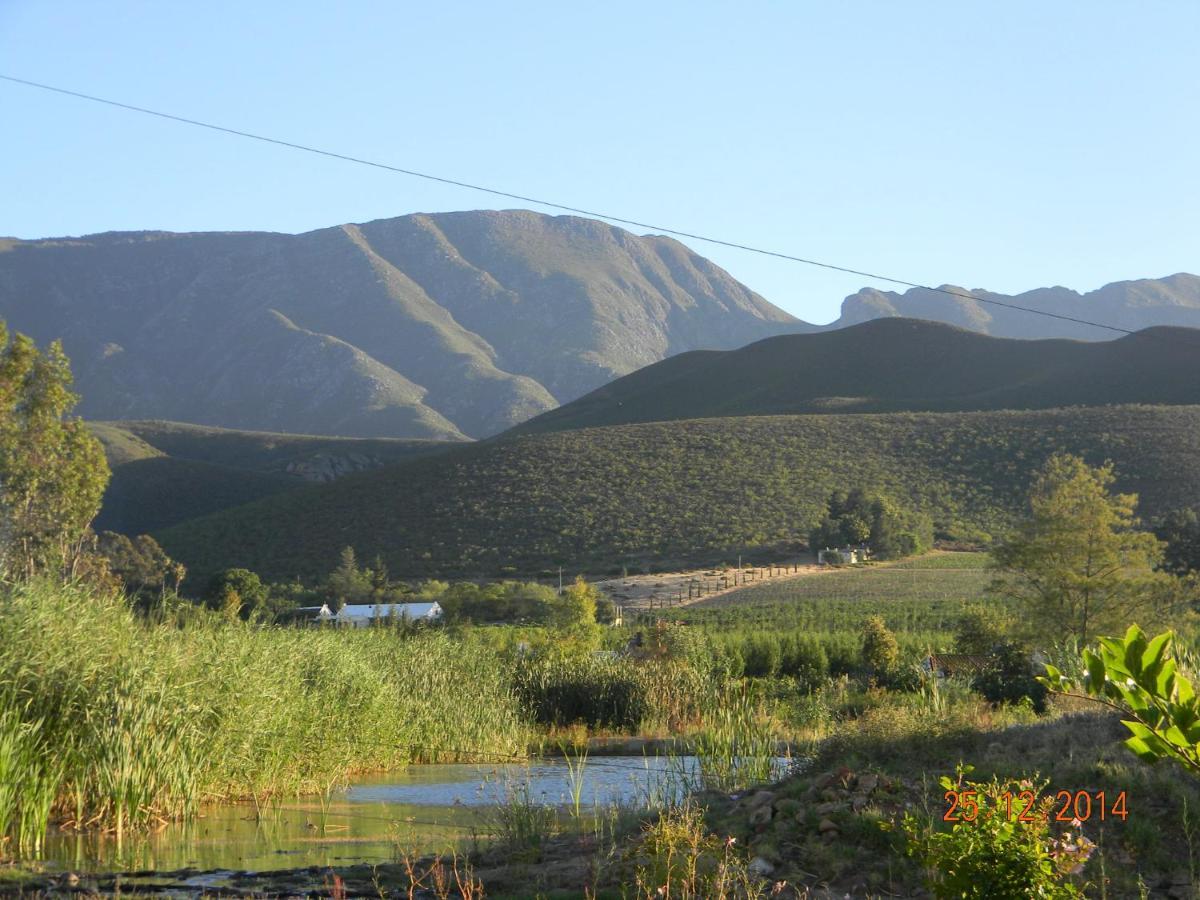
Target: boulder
{"x":760,"y":815}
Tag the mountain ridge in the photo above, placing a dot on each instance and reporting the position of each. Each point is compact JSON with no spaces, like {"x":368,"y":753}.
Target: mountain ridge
{"x":1132,"y":305}
{"x":893,"y":365}
{"x":701,"y":489}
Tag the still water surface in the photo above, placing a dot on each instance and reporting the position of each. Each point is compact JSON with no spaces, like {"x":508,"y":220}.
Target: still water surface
{"x":422,"y":809}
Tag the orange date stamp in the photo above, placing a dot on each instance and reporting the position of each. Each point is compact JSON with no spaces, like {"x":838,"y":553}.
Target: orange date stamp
{"x":1074,"y":807}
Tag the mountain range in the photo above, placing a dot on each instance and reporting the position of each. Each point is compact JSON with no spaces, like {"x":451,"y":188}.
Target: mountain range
{"x":442,"y":326}
{"x":445,"y":326}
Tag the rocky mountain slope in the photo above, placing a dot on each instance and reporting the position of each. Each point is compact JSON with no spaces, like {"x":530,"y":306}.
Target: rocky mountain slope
{"x":435,"y":326}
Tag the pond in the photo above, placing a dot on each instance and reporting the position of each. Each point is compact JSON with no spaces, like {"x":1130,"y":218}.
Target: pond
{"x":423,"y":809}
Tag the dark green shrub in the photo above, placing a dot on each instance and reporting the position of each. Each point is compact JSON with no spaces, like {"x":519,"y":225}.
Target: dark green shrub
{"x":762,"y":656}
{"x":595,"y":691}
{"x":1011,"y":680}
{"x":804,"y":659}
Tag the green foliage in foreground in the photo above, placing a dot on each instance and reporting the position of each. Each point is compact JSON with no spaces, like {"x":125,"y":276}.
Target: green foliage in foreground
{"x":129,"y":721}
{"x":991,"y":853}
{"x":1140,"y":677}
{"x":708,"y":487}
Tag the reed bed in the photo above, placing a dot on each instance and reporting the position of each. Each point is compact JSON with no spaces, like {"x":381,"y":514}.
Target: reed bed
{"x":109,"y":722}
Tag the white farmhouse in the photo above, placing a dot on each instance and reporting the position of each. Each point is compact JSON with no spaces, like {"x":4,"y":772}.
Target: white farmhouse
{"x":362,"y":615}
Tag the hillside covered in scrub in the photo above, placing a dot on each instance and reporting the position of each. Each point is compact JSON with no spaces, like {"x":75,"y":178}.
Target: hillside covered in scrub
{"x":893,"y":365}
{"x":641,"y":493}
{"x":166,"y":472}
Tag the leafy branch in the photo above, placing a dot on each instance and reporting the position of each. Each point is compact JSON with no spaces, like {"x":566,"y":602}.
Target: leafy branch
{"x":1139,"y":677}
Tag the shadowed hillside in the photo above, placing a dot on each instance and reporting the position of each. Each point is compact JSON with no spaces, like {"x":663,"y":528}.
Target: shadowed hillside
{"x":894,"y":365}
{"x":167,"y":472}
{"x":593,"y":497}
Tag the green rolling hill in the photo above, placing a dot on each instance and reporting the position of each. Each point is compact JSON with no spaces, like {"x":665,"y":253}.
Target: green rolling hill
{"x":892,"y":365}
{"x":590,"y":499}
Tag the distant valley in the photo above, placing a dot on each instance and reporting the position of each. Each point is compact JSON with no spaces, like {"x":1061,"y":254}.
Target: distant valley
{"x":164,"y":473}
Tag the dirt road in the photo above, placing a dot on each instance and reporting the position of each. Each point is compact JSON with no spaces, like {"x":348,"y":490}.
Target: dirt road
{"x":664,"y":590}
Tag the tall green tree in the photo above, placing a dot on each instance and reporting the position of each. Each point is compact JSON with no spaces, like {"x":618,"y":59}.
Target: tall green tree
{"x":573,"y":617}
{"x":237,"y":592}
{"x":860,"y":517}
{"x":52,"y":470}
{"x":1078,"y":565}
{"x":140,"y":563}
{"x":348,"y":583}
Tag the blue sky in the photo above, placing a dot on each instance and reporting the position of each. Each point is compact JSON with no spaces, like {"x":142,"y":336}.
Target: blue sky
{"x":1006,"y":146}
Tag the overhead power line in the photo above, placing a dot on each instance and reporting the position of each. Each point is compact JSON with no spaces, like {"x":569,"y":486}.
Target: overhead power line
{"x":674,"y":232}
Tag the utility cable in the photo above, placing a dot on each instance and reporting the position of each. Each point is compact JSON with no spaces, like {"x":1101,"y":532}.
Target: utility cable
{"x":558,"y":206}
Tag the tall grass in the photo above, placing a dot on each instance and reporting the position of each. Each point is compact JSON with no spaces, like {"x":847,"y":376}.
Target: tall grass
{"x":107,"y":721}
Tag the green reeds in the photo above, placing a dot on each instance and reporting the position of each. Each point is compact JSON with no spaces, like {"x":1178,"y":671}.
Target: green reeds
{"x":29,"y":781}
{"x":520,"y":823}
{"x":737,"y":747}
{"x":109,"y":722}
